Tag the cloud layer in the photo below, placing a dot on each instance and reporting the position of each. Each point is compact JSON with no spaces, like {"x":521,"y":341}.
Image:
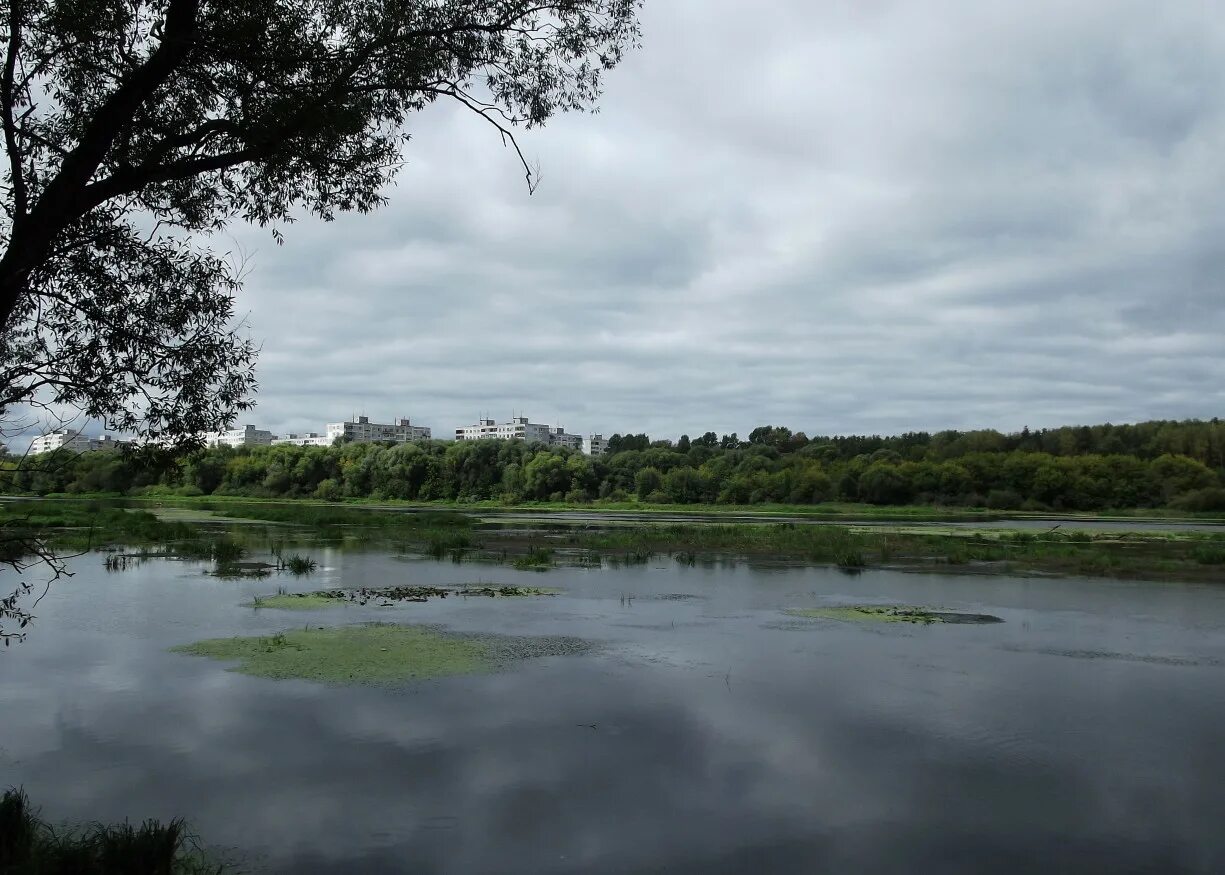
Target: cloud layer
{"x":840,"y":217}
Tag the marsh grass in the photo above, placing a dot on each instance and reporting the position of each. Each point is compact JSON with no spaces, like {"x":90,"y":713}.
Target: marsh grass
{"x":298,"y":565}
{"x":222,"y":550}
{"x":30,"y":846}
{"x":444,"y":544}
{"x":316,"y":515}
{"x":82,"y":525}
{"x":536,"y":559}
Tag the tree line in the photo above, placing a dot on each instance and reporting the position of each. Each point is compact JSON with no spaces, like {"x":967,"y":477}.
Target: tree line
{"x":1160,"y":464}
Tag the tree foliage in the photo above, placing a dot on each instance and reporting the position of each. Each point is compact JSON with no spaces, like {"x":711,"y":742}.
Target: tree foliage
{"x":134,"y":129}
{"x":901,"y":471}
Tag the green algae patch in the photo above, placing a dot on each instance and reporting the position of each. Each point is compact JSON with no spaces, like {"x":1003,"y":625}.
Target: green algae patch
{"x":294,"y":601}
{"x":378,"y":653}
{"x":890,"y":614}
{"x":371,"y":654}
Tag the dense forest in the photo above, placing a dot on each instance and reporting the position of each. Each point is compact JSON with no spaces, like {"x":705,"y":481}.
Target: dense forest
{"x":1152,"y":464}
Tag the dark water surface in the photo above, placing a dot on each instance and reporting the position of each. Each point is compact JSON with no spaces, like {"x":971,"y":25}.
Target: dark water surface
{"x":712,"y":733}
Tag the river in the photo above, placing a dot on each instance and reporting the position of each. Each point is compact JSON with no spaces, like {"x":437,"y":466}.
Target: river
{"x":709,"y":732}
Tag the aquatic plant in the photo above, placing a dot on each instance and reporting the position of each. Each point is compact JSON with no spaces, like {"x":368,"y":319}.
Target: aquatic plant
{"x":536,"y":559}
{"x":242,"y":570}
{"x":297,"y":564}
{"x":506,"y":591}
{"x":891,"y":614}
{"x":376,"y":653}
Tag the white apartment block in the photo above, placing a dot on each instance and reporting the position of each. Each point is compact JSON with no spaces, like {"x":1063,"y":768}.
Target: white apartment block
{"x":519,"y":429}
{"x":361,"y":430}
{"x":595,"y":445}
{"x":310,"y":439}
{"x":73,"y":442}
{"x":247,"y":436}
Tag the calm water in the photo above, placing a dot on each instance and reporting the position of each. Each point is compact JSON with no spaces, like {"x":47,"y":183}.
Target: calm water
{"x":712,"y":733}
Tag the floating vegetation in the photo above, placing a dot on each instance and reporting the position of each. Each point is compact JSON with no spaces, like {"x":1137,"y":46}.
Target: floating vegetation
{"x":506,"y":591}
{"x":298,"y":601}
{"x":376,"y":653}
{"x":385,"y":597}
{"x":890,"y":614}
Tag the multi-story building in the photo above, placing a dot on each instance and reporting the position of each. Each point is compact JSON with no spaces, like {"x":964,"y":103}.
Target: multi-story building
{"x":595,"y":445}
{"x":559,"y":438}
{"x":310,"y":439}
{"x":360,"y":430}
{"x":60,"y":439}
{"x":519,"y":429}
{"x":247,"y":436}
{"x":73,"y":442}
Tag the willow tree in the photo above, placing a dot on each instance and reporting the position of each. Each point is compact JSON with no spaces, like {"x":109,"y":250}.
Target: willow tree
{"x":134,"y":130}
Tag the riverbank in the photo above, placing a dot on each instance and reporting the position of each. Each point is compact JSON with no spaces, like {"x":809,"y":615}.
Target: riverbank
{"x":832,"y":511}
{"x":552,"y":538}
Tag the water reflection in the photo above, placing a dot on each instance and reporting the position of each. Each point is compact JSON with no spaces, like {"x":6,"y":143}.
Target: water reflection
{"x":706,"y":736}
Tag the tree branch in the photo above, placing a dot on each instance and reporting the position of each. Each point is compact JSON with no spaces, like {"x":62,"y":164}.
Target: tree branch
{"x":8,"y":98}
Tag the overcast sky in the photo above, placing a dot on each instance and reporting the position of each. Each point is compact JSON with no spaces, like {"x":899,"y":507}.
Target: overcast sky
{"x":843,"y":217}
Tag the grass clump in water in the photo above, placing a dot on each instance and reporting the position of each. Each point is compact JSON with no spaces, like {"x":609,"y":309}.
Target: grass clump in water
{"x":298,"y":564}
{"x":536,"y":559}
{"x":351,"y":654}
{"x":29,"y":846}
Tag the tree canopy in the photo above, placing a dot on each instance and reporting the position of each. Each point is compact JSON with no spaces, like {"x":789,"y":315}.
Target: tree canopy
{"x":1176,"y":465}
{"x":133,"y":130}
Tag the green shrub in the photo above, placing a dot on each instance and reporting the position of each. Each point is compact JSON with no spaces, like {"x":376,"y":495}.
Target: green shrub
{"x":1201,"y":500}
{"x":1003,"y":499}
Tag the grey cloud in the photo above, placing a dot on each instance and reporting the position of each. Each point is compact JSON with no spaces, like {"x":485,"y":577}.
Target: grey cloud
{"x":842,"y":217}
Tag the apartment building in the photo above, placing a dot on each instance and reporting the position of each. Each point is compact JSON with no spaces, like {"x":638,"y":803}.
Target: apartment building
{"x":73,"y":442}
{"x":310,"y":439}
{"x":361,"y":430}
{"x":247,"y":436}
{"x":595,"y":445}
{"x":519,"y":429}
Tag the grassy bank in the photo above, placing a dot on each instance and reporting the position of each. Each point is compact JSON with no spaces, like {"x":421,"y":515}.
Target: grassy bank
{"x":1159,"y":555}
{"x":226,"y":505}
{"x":912,"y":544}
